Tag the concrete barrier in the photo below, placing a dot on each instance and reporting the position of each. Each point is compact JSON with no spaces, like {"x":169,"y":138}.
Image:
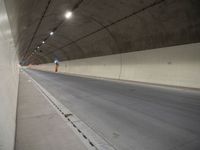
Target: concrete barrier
{"x":176,"y":66}
{"x":62,"y":67}
{"x":107,"y":66}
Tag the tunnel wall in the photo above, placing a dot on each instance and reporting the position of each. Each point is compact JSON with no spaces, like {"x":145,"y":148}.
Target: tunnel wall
{"x":176,"y":66}
{"x":9,"y":83}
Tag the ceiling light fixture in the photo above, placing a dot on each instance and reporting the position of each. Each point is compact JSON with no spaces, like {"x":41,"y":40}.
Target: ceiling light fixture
{"x":43,"y":42}
{"x":68,"y":14}
{"x":38,"y":47}
{"x":51,"y":33}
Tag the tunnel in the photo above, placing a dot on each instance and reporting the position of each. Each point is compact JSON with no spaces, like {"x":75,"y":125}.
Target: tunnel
{"x":100,"y":74}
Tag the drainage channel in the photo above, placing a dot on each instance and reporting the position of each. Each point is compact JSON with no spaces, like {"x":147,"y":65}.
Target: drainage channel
{"x":87,"y":135}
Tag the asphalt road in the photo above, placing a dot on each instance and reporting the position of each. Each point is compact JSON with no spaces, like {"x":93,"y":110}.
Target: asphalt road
{"x":130,"y":116}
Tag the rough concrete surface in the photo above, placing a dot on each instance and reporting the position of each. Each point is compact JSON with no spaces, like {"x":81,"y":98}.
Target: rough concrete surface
{"x":130,"y":116}
{"x":39,"y":127}
{"x":8,"y":82}
{"x":100,"y":27}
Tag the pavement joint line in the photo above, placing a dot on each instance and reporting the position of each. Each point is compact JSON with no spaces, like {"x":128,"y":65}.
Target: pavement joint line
{"x":87,"y":135}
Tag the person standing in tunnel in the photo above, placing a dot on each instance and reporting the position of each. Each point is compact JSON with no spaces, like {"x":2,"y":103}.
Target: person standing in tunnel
{"x":56,"y":65}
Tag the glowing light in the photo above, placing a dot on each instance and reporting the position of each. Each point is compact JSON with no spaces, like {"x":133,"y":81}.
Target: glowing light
{"x":68,"y":14}
{"x":43,"y":42}
{"x":55,"y":61}
{"x":51,"y":33}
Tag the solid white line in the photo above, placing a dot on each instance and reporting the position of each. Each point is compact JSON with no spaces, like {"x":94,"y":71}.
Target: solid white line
{"x":87,"y":135}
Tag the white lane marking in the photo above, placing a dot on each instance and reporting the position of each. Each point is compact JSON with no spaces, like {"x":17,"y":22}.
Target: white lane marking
{"x":87,"y":135}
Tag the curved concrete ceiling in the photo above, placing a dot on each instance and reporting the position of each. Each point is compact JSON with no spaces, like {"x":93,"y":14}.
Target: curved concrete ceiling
{"x":99,"y":27}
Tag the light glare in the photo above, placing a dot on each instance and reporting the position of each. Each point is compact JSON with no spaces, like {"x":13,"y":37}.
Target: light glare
{"x":55,"y":61}
{"x":51,"y":33}
{"x":68,"y":14}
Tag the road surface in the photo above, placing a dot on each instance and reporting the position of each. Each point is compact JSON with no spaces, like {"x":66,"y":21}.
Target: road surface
{"x":129,"y":116}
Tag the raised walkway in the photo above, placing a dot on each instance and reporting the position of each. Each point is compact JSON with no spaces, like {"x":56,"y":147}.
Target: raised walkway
{"x":39,"y":126}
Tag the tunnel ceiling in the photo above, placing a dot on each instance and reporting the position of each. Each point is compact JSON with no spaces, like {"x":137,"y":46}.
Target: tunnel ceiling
{"x":99,"y":27}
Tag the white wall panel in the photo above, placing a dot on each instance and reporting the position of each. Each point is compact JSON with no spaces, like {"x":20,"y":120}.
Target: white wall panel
{"x":9,"y":82}
{"x":177,"y":65}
